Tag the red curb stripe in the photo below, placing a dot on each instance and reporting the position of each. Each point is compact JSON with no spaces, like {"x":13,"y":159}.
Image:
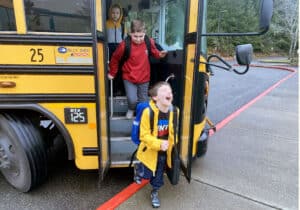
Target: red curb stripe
{"x":274,"y":67}
{"x":127,"y":192}
{"x":270,"y":67}
{"x":122,"y":196}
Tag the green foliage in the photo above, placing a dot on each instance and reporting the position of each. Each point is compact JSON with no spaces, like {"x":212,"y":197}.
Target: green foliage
{"x":242,"y":16}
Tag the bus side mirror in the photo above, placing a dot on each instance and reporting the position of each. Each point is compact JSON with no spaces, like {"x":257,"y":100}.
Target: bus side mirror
{"x":266,"y":11}
{"x":244,"y":54}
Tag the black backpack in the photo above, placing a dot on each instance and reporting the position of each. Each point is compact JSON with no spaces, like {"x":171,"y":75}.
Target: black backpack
{"x":126,"y":53}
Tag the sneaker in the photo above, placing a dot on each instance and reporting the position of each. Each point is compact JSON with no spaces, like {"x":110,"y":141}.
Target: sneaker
{"x":129,"y":114}
{"x":136,"y":177}
{"x":154,"y":199}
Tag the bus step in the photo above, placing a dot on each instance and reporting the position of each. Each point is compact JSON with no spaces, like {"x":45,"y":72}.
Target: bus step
{"x":120,"y":126}
{"x":121,"y":151}
{"x":119,"y":105}
{"x":122,"y":164}
{"x":120,"y":138}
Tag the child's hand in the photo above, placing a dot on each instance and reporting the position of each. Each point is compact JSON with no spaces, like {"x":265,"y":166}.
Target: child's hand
{"x":164,"y":145}
{"x":110,"y":77}
{"x":163,"y":53}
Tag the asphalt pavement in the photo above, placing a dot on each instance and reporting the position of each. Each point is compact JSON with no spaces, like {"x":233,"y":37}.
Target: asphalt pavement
{"x":251,"y":162}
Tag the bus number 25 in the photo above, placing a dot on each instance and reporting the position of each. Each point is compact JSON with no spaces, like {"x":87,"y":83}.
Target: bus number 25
{"x":36,"y":55}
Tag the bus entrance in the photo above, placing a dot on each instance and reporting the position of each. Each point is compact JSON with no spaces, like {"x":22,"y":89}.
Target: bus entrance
{"x":165,"y":24}
{"x":172,"y":25}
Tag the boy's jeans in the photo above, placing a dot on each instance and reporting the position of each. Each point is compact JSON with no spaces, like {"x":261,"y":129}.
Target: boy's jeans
{"x":136,"y":93}
{"x":158,"y":180}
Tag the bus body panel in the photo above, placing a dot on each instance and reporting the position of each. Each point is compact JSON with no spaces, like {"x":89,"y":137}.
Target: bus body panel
{"x":82,"y":135}
{"x":45,"y":55}
{"x":48,"y":84}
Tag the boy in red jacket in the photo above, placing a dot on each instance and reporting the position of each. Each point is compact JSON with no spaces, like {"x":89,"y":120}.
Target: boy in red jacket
{"x":136,"y":69}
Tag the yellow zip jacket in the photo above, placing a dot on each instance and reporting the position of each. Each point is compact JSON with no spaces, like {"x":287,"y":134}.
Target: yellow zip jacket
{"x":149,"y":147}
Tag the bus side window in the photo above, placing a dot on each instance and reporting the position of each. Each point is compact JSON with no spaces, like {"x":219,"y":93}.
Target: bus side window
{"x":7,"y":16}
{"x":58,"y":16}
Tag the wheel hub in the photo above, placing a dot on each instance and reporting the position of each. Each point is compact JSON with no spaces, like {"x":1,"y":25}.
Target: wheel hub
{"x":4,"y":160}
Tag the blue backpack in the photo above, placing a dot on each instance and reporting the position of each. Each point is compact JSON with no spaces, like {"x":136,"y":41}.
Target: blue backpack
{"x":135,"y":131}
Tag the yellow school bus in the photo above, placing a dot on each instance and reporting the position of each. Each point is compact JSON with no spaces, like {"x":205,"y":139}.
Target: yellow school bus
{"x":55,"y":96}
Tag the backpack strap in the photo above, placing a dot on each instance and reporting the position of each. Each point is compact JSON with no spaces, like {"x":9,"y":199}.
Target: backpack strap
{"x":175,"y":123}
{"x":127,"y":48}
{"x":175,"y":116}
{"x":126,"y":53}
{"x":148,"y":45}
{"x":151,"y":119}
{"x":175,"y":131}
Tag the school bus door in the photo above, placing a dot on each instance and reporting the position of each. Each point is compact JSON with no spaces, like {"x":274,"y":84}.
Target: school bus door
{"x":192,"y":55}
{"x":100,"y":59}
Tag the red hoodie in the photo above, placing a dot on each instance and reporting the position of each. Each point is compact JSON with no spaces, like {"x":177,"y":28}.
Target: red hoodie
{"x":137,"y":67}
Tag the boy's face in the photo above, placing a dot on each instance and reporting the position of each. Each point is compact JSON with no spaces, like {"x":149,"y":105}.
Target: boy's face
{"x":164,"y":96}
{"x":137,"y":37}
{"x":115,"y":14}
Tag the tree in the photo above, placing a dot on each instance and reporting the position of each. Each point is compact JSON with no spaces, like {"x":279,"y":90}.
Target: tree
{"x":242,"y":16}
{"x":287,"y":13}
{"x":232,"y":16}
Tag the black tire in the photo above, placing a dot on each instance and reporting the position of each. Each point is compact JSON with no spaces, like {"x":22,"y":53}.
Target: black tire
{"x":202,"y":148}
{"x":202,"y":144}
{"x":22,"y":152}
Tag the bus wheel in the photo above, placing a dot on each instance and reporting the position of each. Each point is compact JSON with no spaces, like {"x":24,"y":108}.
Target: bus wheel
{"x":202,"y":143}
{"x":23,"y":157}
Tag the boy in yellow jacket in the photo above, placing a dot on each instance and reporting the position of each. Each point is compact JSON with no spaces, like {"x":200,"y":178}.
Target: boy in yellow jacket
{"x":154,"y":151}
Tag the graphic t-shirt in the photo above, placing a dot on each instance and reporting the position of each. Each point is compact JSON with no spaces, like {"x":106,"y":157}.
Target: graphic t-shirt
{"x":163,"y":125}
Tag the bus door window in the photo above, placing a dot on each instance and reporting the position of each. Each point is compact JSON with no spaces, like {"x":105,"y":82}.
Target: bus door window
{"x":173,"y":25}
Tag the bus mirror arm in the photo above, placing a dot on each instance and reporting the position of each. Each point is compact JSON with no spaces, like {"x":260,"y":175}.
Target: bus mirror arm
{"x":227,"y":66}
{"x":243,"y":57}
